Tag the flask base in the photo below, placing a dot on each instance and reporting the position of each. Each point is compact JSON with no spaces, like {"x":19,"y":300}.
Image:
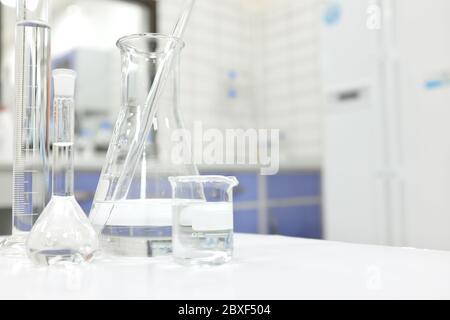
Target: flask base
{"x":136,"y":246}
{"x":13,"y":246}
{"x":210,"y":259}
{"x":59,"y":257}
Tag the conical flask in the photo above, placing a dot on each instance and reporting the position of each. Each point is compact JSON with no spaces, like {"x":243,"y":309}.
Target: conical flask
{"x":136,"y":219}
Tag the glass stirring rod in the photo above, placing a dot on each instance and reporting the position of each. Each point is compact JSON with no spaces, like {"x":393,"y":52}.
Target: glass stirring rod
{"x":151,"y":105}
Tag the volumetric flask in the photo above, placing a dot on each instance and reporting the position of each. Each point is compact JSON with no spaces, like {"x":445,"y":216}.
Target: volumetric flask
{"x":203,"y":219}
{"x":31,"y":179}
{"x":136,"y":221}
{"x":63,"y":233}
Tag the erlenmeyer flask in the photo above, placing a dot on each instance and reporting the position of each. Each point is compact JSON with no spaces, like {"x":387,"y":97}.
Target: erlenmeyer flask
{"x":137,"y":221}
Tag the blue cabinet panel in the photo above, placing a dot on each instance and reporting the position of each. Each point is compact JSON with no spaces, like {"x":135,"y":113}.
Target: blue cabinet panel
{"x":294,"y":184}
{"x":303,"y":221}
{"x":86,"y":181}
{"x":85,"y":185}
{"x":86,"y":206}
{"x":298,"y":221}
{"x":247,"y":190}
{"x":246,"y":221}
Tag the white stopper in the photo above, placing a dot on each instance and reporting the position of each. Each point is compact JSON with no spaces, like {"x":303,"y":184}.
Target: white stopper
{"x":64,"y":82}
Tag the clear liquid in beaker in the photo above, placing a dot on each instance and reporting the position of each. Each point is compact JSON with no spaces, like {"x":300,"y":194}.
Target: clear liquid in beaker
{"x":203,"y":232}
{"x":137,"y":227}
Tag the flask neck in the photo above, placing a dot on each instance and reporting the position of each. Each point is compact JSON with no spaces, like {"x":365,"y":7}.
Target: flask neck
{"x":63,"y":146}
{"x":139,"y":74}
{"x":32,"y":10}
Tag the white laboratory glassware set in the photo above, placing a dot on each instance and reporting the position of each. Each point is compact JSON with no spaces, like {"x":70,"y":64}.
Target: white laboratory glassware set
{"x":146,"y":203}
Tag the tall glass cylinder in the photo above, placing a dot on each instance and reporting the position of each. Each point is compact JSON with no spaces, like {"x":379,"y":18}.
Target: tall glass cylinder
{"x":137,"y":221}
{"x":31,"y":179}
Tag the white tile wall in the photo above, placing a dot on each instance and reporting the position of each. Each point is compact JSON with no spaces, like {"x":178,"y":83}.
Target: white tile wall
{"x":267,"y":52}
{"x":292,"y":86}
{"x":216,"y":60}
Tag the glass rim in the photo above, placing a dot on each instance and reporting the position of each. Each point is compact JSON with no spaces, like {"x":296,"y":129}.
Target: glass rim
{"x":232,"y":181}
{"x":125,"y":42}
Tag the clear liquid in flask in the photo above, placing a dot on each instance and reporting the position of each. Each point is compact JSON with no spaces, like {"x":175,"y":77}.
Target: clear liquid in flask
{"x":134,"y":227}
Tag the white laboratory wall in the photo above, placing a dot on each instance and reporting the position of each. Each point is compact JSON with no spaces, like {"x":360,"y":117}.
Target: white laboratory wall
{"x":290,"y":78}
{"x":253,"y":64}
{"x":423,"y":59}
{"x":247,"y":64}
{"x":353,"y":160}
{"x":386,"y":143}
{"x":7,"y":63}
{"x":86,"y":23}
{"x":216,"y":78}
{"x":79,"y":35}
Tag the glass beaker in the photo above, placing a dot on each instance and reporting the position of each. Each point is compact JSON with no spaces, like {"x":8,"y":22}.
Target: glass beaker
{"x":203,"y":219}
{"x":31,"y":175}
{"x":137,"y":221}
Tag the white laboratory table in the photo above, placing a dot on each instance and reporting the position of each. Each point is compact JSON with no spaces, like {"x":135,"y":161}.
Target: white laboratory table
{"x":265,"y":267}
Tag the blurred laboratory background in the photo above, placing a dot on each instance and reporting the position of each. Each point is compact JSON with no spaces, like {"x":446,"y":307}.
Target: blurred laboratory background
{"x":359,"y":89}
